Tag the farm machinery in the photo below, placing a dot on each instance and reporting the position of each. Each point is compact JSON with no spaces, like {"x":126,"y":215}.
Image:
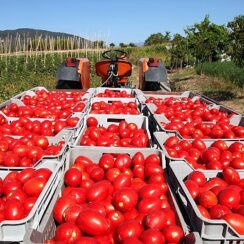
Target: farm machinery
{"x":114,"y":70}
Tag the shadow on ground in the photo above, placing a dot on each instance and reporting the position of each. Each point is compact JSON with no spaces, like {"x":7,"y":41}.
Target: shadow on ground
{"x":220,"y":95}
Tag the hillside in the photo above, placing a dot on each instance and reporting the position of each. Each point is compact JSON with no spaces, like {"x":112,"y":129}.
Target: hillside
{"x":32,"y":33}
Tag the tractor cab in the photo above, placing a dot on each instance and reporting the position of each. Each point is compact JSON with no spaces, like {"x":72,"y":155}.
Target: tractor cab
{"x":114,"y":69}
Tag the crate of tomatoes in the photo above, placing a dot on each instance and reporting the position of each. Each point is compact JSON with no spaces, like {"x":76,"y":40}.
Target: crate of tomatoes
{"x":201,"y":154}
{"x":112,"y":195}
{"x":213,"y":201}
{"x":114,"y":130}
{"x":25,"y":196}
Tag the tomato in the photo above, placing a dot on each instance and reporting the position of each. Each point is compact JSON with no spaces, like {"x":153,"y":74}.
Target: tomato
{"x":125,"y":199}
{"x":220,"y":144}
{"x":203,"y":211}
{"x":67,"y":232}
{"x":91,"y":122}
{"x":106,"y":161}
{"x":153,"y":158}
{"x":152,"y":236}
{"x":61,"y":204}
{"x":229,"y":198}
{"x":231,"y":176}
{"x":236,"y":221}
{"x":216,"y":181}
{"x":79,"y":194}
{"x":193,"y":188}
{"x":237,"y":163}
{"x":123,"y":161}
{"x":11,"y":159}
{"x":153,"y":168}
{"x":199,"y":144}
{"x":34,"y":186}
{"x":198,"y":177}
{"x":25,"y":175}
{"x":156,"y":220}
{"x":151,"y":190}
{"x":173,"y":234}
{"x":29,"y":203}
{"x":138,"y":158}
{"x":149,"y":204}
{"x":115,"y":218}
{"x":171,"y":141}
{"x":14,"y":210}
{"x":211,"y":154}
{"x":236,"y":147}
{"x":112,"y":173}
{"x":18,"y":194}
{"x":41,"y":141}
{"x":98,"y":191}
{"x":218,"y":211}
{"x":92,"y":223}
{"x":122,"y":180}
{"x":129,"y":228}
{"x":42,"y":172}
{"x":207,"y":199}
{"x":72,"y":177}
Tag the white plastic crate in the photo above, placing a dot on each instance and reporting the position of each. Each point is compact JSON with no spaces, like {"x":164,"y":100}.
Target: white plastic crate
{"x":161,"y":137}
{"x":14,"y":230}
{"x":211,"y":231}
{"x":129,"y":91}
{"x":62,"y":135}
{"x":110,"y":100}
{"x":32,"y":90}
{"x":75,"y":130}
{"x":106,"y":120}
{"x":156,"y":125}
{"x":46,"y":228}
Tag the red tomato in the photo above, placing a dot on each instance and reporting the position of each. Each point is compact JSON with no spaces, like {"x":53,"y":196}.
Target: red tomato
{"x":123,"y":161}
{"x":152,"y":236}
{"x":151,"y":190}
{"x":173,"y":234}
{"x":34,"y":186}
{"x":91,"y":122}
{"x":229,"y":198}
{"x":193,"y":188}
{"x":149,"y":204}
{"x":72,"y":177}
{"x":198,"y":177}
{"x":106,"y":161}
{"x":218,"y":211}
{"x":156,"y":220}
{"x":236,"y":221}
{"x":67,"y":232}
{"x":231,"y":176}
{"x":98,"y":191}
{"x":129,"y":228}
{"x":14,"y":210}
{"x":125,"y":199}
{"x":204,"y":212}
{"x":92,"y":223}
{"x":171,"y":141}
{"x":115,"y":218}
{"x":61,"y":204}
{"x":138,"y":158}
{"x":207,"y":199}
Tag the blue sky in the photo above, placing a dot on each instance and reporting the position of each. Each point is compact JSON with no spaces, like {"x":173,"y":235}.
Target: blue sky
{"x":115,"y":21}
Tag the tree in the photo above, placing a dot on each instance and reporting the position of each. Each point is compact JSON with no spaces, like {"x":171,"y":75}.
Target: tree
{"x":207,"y":41}
{"x":179,"y":50}
{"x":112,"y":44}
{"x":236,"y":30}
{"x":131,"y":44}
{"x":157,"y":38}
{"x":122,"y":45}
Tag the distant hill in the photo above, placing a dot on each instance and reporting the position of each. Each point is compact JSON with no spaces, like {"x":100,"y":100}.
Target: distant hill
{"x":32,"y":33}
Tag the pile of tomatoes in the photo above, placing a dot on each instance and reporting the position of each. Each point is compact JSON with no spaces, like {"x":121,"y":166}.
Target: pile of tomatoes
{"x":117,"y":199}
{"x":19,"y":192}
{"x":115,"y":107}
{"x":219,"y":197}
{"x":23,"y":126}
{"x":47,"y":104}
{"x":122,"y":135}
{"x":114,"y":93}
{"x":217,"y":156}
{"x":26,"y":151}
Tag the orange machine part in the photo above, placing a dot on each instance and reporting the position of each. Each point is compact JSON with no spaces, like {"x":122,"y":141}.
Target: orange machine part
{"x":124,"y":68}
{"x":143,"y":67}
{"x":84,"y":71}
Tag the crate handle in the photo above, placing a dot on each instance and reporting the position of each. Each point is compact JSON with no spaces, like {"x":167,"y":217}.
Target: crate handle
{"x":114,"y":120}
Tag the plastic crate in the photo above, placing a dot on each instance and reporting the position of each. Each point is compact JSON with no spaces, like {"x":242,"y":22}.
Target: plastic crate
{"x":46,"y":228}
{"x":14,"y":230}
{"x":161,"y":137}
{"x":106,"y":120}
{"x":75,"y":130}
{"x":31,"y":90}
{"x":63,"y":135}
{"x":211,"y":231}
{"x":110,"y":100}
{"x":129,"y":91}
{"x":156,"y":125}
